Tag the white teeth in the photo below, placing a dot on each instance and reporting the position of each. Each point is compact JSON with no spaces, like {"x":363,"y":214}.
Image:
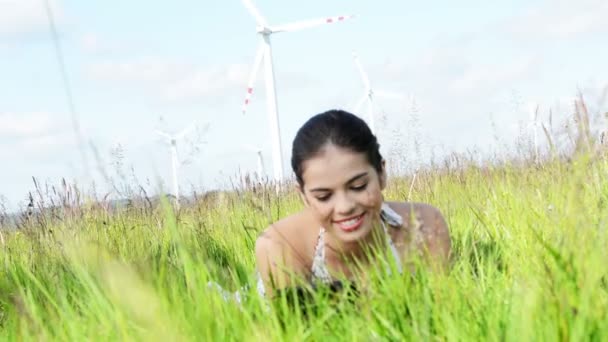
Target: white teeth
{"x":348,"y":224}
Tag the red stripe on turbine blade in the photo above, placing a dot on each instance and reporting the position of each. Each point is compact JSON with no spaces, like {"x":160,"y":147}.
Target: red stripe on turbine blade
{"x":340,"y":18}
{"x":250,"y":90}
{"x":247,"y":101}
{"x":329,"y":20}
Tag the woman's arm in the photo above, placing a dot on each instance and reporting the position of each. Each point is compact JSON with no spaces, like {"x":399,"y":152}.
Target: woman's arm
{"x":438,"y":245}
{"x":276,"y":263}
{"x":428,"y":232}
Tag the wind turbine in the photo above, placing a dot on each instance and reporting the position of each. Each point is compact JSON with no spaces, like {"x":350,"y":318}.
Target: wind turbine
{"x":369,"y":93}
{"x":534,"y":125}
{"x":265,"y":53}
{"x":172,"y":139}
{"x":258,"y":151}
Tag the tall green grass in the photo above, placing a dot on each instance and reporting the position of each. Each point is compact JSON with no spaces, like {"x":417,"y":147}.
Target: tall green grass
{"x":529,"y":263}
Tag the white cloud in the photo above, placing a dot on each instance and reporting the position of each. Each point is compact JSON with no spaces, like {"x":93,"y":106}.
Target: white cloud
{"x":46,"y":142}
{"x":25,"y":16}
{"x":175,"y":80}
{"x":32,"y":134}
{"x":143,"y":70}
{"x":450,"y":70}
{"x":100,"y":44}
{"x":92,"y":43}
{"x":25,"y":125}
{"x":447,"y":60}
{"x":488,"y":78}
{"x":207,"y":82}
{"x":562,"y":19}
{"x":172,"y":80}
{"x":454,"y":59}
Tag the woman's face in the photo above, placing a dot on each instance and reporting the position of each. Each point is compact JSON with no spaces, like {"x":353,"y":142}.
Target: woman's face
{"x":344,"y":191}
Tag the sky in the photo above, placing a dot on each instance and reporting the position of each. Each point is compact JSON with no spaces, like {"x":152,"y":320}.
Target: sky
{"x":468,"y":74}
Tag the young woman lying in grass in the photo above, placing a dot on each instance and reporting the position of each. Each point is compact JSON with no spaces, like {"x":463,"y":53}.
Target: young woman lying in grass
{"x":346,"y":223}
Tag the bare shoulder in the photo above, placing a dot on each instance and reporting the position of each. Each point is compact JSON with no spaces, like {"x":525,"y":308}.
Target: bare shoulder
{"x":421,"y":210}
{"x":280,"y":251}
{"x":282,"y":233}
{"x":275,"y":239}
{"x":427,"y":228}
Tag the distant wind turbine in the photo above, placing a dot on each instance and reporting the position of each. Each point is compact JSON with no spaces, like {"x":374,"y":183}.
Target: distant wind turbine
{"x":265,"y":53}
{"x":260,"y":160}
{"x":533,"y":124}
{"x":171,"y":140}
{"x":369,"y":94}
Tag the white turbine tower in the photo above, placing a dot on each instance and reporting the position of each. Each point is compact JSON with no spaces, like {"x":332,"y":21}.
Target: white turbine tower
{"x":265,"y":53}
{"x":171,"y":140}
{"x":261,"y":171}
{"x":533,"y":124}
{"x":369,"y":94}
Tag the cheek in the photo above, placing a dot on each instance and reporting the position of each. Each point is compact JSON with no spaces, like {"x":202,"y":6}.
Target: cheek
{"x":372,"y":198}
{"x":322,"y":210}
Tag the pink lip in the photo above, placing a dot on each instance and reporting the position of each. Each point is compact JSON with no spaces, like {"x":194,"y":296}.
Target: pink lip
{"x":352,"y":228}
{"x":347,"y":219}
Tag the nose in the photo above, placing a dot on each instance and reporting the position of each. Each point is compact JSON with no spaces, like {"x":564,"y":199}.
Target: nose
{"x":345,"y":205}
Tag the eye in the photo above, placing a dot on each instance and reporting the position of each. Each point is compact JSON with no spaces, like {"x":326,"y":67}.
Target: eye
{"x":359,"y":187}
{"x":323,"y":198}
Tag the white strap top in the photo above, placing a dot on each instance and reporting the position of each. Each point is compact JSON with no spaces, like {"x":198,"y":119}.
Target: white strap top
{"x":319,"y":268}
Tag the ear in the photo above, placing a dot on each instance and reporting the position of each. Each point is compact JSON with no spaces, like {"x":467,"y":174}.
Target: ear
{"x":300,"y":191}
{"x":382,"y":175}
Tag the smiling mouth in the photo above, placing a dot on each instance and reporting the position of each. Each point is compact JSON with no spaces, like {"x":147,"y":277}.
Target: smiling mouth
{"x":351,"y":224}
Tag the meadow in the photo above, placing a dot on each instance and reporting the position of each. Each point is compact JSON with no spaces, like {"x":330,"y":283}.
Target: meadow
{"x":529,"y":260}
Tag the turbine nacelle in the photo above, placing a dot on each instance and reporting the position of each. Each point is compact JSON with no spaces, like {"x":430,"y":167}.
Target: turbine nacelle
{"x":264,"y":30}
{"x":369,"y":94}
{"x":171,"y":140}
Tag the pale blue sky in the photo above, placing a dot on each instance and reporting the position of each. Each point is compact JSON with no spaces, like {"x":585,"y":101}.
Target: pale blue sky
{"x":131,"y":62}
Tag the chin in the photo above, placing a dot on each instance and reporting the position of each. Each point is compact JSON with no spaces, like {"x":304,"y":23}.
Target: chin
{"x":352,"y":236}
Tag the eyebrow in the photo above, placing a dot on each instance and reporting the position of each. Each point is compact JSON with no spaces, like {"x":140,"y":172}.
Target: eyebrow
{"x":362,"y":174}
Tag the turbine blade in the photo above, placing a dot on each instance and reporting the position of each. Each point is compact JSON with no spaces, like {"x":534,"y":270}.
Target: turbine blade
{"x":185,"y":131}
{"x":250,"y":148}
{"x":256,"y":66}
{"x":254,"y":11}
{"x":533,"y":107}
{"x":360,"y":103}
{"x":364,"y":77}
{"x":166,"y":135}
{"x":300,"y":25}
{"x":389,"y":95}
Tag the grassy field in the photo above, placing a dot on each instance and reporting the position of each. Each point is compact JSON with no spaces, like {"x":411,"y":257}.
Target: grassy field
{"x":529,"y":263}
